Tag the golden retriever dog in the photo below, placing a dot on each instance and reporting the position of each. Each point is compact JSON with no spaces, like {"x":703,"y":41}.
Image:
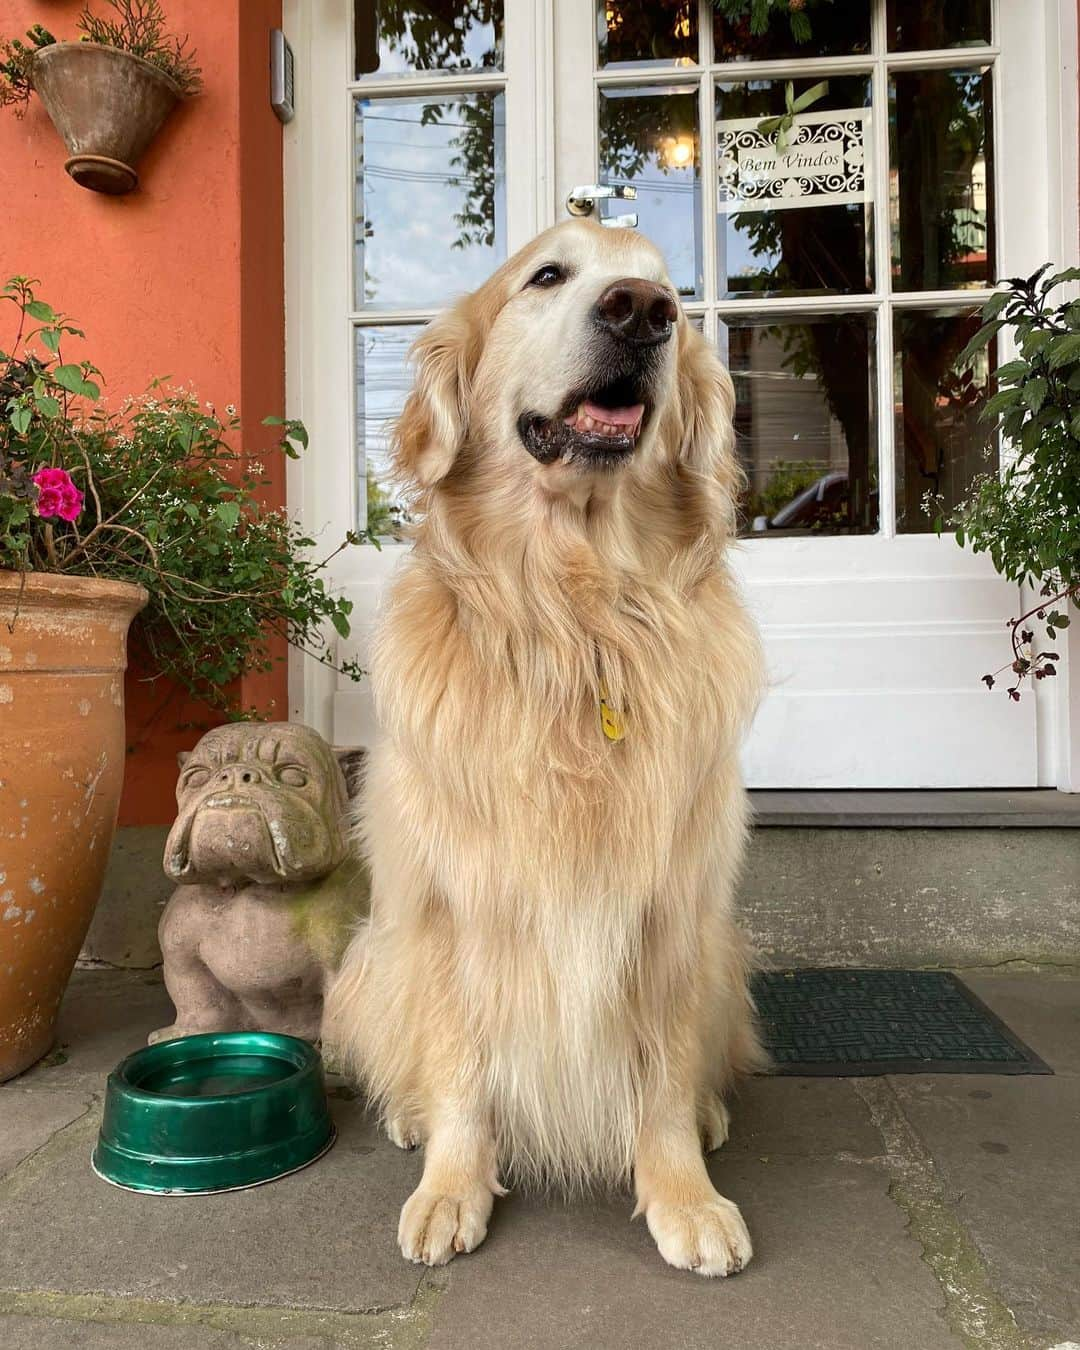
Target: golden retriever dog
{"x":550,"y":988}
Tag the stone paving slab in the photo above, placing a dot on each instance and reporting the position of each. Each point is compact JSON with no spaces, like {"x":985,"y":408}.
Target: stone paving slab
{"x":1008,"y":1151}
{"x":55,"y":1333}
{"x":319,"y":1239}
{"x":312,"y":1261}
{"x":1043,"y":1009}
{"x":29,"y":1117}
{"x":833,"y":1270}
{"x":774,"y":1117}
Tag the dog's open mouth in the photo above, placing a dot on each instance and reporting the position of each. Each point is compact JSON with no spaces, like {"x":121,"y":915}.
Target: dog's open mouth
{"x":600,"y":426}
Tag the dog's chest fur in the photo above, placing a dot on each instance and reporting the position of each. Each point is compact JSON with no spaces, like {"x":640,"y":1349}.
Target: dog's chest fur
{"x":499,"y":731}
{"x":553,"y":852}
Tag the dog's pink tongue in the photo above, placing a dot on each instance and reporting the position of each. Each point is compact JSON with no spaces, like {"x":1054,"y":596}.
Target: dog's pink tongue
{"x":618,"y":417}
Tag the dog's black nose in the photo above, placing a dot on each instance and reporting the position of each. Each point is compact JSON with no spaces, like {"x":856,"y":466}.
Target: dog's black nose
{"x":637,"y":311}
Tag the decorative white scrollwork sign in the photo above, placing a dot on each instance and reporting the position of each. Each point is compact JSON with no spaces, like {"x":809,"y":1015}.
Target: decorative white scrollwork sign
{"x":825,"y":163}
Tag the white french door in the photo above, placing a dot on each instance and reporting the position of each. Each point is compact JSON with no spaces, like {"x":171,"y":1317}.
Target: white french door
{"x":839,"y":282}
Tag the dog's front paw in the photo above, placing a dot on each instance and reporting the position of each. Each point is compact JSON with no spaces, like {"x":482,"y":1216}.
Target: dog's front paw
{"x":435,"y":1227}
{"x":709,"y":1238}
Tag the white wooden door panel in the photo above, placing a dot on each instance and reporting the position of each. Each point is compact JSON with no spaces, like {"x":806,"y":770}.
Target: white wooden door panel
{"x":875,"y":643}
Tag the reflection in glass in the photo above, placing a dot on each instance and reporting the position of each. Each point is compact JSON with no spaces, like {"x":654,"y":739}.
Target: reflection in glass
{"x":650,"y":139}
{"x":804,"y":423}
{"x":383,"y":379}
{"x":634,"y":31}
{"x":430,"y":197}
{"x":835,"y":30}
{"x":941,"y":179}
{"x":394,"y":37}
{"x":806,"y":249}
{"x":941,"y":443}
{"x":926,"y":25}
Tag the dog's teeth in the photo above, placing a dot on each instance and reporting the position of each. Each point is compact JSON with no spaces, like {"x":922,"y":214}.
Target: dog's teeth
{"x":587,"y":423}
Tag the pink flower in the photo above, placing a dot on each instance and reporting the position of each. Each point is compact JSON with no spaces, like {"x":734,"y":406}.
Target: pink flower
{"x":57,"y":494}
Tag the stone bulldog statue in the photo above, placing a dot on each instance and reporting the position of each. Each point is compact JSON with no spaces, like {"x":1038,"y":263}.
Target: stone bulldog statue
{"x":267,"y":891}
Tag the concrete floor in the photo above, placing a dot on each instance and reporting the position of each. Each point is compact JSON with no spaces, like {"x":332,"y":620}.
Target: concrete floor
{"x":908,"y":1213}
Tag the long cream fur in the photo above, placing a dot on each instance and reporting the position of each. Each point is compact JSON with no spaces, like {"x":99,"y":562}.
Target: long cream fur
{"x":551,"y":951}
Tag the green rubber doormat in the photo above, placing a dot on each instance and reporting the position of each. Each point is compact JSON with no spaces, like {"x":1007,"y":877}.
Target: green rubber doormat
{"x":848,"y":1023}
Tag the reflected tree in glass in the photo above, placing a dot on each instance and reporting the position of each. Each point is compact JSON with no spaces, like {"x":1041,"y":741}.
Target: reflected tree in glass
{"x":811,"y":249}
{"x":942,"y":443}
{"x":396,"y":36}
{"x":429,"y":183}
{"x":928,"y":25}
{"x":834,"y":355}
{"x":474,"y":161}
{"x":649,"y":137}
{"x":829,"y":29}
{"x":941,"y":148}
{"x":632,"y":31}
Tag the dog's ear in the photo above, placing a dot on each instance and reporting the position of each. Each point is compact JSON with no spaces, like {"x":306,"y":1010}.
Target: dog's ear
{"x":434,"y":422}
{"x":706,"y":403}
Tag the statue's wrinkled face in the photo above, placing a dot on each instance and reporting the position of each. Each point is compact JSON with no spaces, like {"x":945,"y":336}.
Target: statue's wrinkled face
{"x":261,"y":801}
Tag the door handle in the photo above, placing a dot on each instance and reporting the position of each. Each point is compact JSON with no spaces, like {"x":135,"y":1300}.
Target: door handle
{"x":583,"y":199}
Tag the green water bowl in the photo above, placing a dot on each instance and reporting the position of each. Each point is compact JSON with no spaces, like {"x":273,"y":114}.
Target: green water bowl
{"x":217,"y":1112}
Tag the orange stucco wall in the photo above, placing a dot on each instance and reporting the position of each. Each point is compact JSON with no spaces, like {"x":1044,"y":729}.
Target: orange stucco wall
{"x":182,"y":278}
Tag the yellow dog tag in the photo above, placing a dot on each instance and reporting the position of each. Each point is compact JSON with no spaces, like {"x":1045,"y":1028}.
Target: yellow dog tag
{"x":610,"y":721}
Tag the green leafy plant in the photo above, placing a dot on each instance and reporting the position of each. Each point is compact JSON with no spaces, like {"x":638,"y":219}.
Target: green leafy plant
{"x":761,"y":12}
{"x":1028,"y":516}
{"x":787,"y":478}
{"x":386,"y":516}
{"x":16,"y":61}
{"x":138,"y":27}
{"x":155,"y":493}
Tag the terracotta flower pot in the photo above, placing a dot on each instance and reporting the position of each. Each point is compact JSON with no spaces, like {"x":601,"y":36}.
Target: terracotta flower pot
{"x":107,"y":104}
{"x":61,"y":768}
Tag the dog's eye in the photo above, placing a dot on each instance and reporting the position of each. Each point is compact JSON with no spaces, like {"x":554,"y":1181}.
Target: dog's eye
{"x":548,"y":275}
{"x":293,"y":776}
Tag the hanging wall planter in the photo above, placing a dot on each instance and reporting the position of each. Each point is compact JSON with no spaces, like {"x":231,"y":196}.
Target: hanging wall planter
{"x":107,"y":104}
{"x":108,"y":93}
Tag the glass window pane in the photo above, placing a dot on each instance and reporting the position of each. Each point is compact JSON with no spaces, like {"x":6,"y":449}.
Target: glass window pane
{"x":650,"y":138}
{"x":942,"y":179}
{"x":383,"y":379}
{"x":394,"y":37}
{"x":928,"y":25}
{"x":941,"y":444}
{"x":817,"y":240}
{"x":635,"y":31}
{"x":430,"y":198}
{"x":804,"y":423}
{"x":834,"y":30}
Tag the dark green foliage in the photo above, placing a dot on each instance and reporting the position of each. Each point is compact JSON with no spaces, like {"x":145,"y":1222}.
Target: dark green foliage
{"x":169,"y":504}
{"x":761,"y":11}
{"x":16,"y":58}
{"x":1028,"y":517}
{"x":139,"y":28}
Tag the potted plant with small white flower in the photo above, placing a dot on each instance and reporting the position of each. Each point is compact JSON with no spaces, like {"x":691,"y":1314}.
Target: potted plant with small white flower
{"x":1027,"y":517}
{"x":147,"y":513}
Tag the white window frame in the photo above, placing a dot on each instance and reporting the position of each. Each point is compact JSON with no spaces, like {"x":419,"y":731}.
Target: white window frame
{"x":1035,"y":40}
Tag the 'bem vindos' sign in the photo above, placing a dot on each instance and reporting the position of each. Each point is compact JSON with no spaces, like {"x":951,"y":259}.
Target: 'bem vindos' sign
{"x":825,"y":163}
